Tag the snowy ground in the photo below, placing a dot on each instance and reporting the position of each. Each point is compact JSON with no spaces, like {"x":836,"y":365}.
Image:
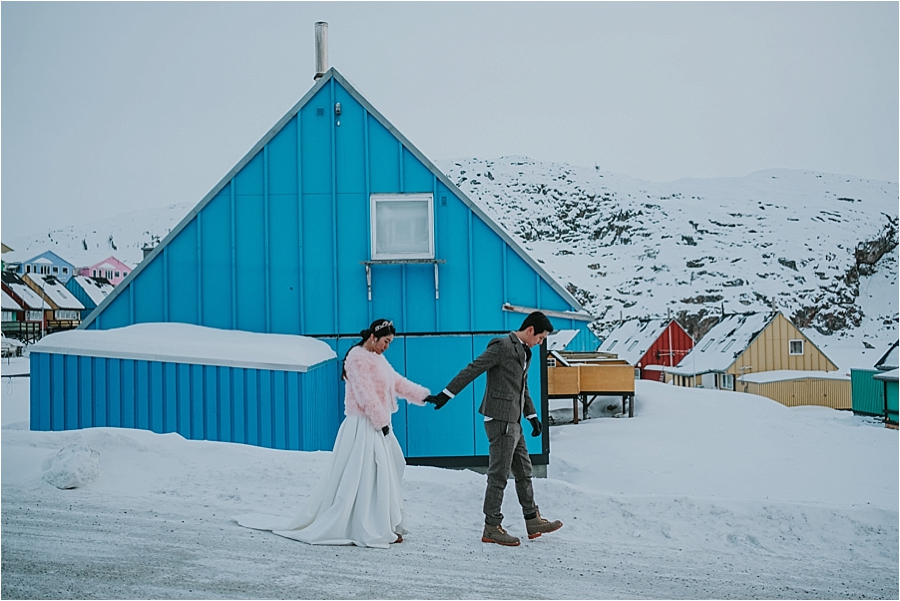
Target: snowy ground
{"x":702,"y":494}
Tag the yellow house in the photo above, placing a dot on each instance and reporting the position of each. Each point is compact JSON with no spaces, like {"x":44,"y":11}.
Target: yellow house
{"x":747,"y":343}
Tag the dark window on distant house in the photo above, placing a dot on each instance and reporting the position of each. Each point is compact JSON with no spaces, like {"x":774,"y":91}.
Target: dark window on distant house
{"x":55,"y":269}
{"x":28,"y":269}
{"x":65,"y":270}
{"x":94,"y":271}
{"x":117,"y":274}
{"x":795,"y":347}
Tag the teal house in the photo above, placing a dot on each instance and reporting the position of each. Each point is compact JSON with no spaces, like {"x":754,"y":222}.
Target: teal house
{"x":874,"y":391}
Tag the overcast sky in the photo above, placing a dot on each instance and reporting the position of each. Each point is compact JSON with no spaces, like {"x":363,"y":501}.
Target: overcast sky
{"x":114,"y":107}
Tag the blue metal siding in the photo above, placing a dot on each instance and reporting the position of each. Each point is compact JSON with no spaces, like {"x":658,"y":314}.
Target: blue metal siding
{"x":251,"y":259}
{"x":432,"y":362}
{"x":215,"y":254}
{"x":286,"y":409}
{"x":182,"y":268}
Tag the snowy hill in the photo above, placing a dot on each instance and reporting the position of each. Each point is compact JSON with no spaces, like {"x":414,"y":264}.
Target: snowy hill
{"x":819,"y":246}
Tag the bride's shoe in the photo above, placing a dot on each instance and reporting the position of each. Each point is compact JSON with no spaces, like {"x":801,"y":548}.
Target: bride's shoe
{"x":399,"y":539}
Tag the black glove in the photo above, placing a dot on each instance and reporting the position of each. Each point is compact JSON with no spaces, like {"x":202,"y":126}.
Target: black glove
{"x":438,"y":400}
{"x":536,"y":428}
{"x":385,"y":430}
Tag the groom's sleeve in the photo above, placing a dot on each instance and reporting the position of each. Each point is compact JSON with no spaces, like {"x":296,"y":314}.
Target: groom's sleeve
{"x":486,"y":360}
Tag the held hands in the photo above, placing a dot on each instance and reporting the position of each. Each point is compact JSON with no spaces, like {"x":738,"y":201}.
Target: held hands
{"x":536,"y":427}
{"x":438,"y":400}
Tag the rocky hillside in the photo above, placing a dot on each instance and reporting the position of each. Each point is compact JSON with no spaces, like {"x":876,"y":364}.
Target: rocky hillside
{"x":820,"y":247}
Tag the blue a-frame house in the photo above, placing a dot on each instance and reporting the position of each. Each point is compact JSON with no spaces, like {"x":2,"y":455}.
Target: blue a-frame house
{"x":331,"y":220}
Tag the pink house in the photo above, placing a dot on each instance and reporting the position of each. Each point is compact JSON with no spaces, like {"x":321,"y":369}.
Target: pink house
{"x":111,"y":269}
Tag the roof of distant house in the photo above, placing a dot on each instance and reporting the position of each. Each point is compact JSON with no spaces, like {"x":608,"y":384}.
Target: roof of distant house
{"x":56,"y":292}
{"x":722,"y":344}
{"x":784,"y":375}
{"x":9,"y":303}
{"x":95,"y":289}
{"x":632,"y":338}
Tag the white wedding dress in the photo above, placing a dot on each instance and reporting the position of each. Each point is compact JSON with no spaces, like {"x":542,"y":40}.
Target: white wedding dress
{"x":357,"y":502}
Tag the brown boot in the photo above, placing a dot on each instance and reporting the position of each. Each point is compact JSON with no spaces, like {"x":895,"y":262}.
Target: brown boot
{"x":537,"y":526}
{"x":496,"y":534}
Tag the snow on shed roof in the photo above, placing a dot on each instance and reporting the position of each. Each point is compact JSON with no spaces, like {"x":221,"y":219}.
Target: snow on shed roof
{"x":188,"y":343}
{"x":890,"y":376}
{"x":722,"y":344}
{"x":632,"y":338}
{"x":784,"y":375}
{"x":56,"y":292}
{"x":9,"y":303}
{"x":97,"y":291}
{"x":557,"y":341}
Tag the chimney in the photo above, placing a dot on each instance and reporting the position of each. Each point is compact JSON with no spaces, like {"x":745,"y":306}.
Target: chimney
{"x":321,"y":49}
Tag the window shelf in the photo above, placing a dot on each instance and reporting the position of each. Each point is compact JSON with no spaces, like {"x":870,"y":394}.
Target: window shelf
{"x":435,"y":262}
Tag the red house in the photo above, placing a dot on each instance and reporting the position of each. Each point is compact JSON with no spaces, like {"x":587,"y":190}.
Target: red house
{"x":649,"y":345}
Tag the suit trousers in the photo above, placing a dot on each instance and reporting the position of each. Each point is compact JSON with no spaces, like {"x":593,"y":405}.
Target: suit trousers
{"x":507,"y":453}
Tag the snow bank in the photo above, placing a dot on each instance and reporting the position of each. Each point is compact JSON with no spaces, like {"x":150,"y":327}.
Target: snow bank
{"x":188,"y":343}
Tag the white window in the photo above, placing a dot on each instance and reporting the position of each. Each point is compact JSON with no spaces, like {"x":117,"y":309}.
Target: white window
{"x":795,"y":347}
{"x":9,"y":316}
{"x":727,"y":382}
{"x":402,"y":226}
{"x":32,"y":316}
{"x":632,"y":345}
{"x":614,"y":343}
{"x":66,"y":314}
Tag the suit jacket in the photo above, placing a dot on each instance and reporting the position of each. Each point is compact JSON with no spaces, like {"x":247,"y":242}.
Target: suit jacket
{"x":506,"y":395}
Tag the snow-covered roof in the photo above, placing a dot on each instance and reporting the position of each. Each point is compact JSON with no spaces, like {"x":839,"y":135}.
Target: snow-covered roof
{"x":890,"y":376}
{"x":29,"y":297}
{"x":631,"y":339}
{"x":9,"y":303}
{"x":557,"y":341}
{"x":56,"y":292}
{"x":784,"y":375}
{"x":97,"y":291}
{"x":722,"y":344}
{"x":188,"y":343}
{"x":891,"y":359}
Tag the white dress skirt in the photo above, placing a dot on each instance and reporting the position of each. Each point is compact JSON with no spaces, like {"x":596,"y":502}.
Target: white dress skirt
{"x":357,"y":502}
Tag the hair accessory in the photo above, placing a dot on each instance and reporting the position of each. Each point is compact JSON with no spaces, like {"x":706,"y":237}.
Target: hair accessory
{"x":383,"y":325}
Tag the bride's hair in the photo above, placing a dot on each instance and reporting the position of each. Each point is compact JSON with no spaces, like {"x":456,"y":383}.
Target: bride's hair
{"x":380,"y":328}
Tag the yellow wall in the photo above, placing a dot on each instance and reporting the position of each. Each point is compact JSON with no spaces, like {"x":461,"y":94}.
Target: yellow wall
{"x":770,"y":351}
{"x":805,"y":391}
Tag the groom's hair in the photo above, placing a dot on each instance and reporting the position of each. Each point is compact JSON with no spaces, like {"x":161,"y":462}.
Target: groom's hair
{"x":539,"y":321}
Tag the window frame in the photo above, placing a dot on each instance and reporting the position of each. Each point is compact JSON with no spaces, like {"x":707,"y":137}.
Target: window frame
{"x":791,"y":345}
{"x":374,"y":199}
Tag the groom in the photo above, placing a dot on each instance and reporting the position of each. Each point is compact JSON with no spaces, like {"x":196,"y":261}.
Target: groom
{"x":506,"y":398}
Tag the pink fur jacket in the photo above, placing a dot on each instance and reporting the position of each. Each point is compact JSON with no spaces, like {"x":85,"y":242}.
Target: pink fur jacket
{"x":373,"y":387}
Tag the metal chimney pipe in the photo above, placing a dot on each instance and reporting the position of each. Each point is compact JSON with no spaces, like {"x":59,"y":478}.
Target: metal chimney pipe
{"x":321,"y":49}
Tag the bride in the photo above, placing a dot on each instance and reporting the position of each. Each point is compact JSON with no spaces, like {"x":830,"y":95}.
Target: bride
{"x":358,"y":501}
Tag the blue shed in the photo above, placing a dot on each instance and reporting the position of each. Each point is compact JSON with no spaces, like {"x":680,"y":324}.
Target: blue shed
{"x":203,"y":383}
{"x":331,"y":220}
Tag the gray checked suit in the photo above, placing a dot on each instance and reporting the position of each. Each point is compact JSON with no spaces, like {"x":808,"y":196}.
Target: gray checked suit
{"x":506,"y":399}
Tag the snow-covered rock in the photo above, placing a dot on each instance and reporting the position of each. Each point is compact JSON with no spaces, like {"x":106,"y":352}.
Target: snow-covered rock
{"x":74,"y":466}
